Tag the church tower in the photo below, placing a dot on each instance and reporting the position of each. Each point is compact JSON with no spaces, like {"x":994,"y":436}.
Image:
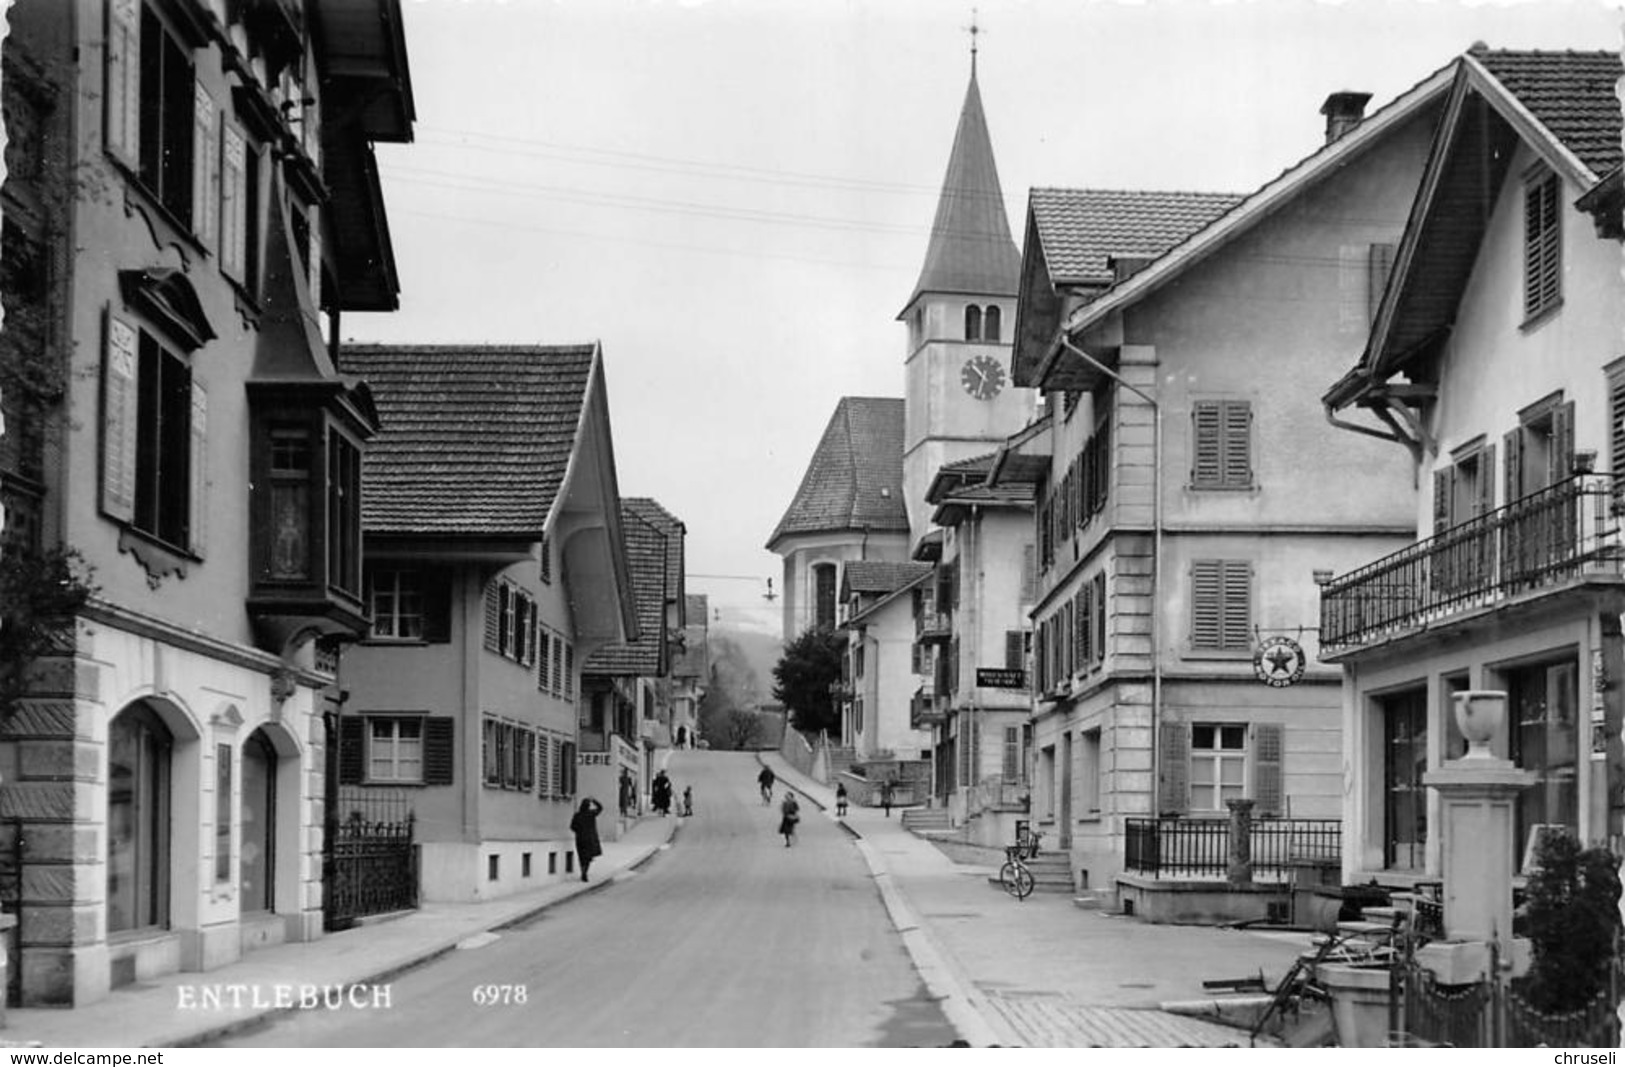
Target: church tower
{"x":958,"y":398}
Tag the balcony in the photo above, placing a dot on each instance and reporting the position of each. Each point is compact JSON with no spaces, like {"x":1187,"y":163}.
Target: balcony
{"x":924,"y":710}
{"x":933,"y":626}
{"x":1561,"y":535}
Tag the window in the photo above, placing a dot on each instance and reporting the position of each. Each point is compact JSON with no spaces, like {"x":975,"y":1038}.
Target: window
{"x":973,"y":322}
{"x":343,"y":513}
{"x":1089,"y":758}
{"x":239,"y":208}
{"x":222,"y":813}
{"x":395,"y":750}
{"x":138,"y":807}
{"x":1010,"y":764}
{"x":1462,"y":492}
{"x":1221,"y":604}
{"x":546,"y":573}
{"x":397,"y":603}
{"x":1405,"y":761}
{"x":290,"y":476}
{"x":1218,"y":765}
{"x":824,"y":596}
{"x":1221,"y":444}
{"x":1542,"y":246}
{"x":167,"y":428}
{"x":991,"y":326}
{"x":1542,"y":703}
{"x":1540,"y":452}
{"x":165,"y":131}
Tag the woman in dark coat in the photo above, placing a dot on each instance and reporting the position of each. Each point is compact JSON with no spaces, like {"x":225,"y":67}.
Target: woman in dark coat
{"x":660,"y":793}
{"x":790,"y":814}
{"x":584,"y":824}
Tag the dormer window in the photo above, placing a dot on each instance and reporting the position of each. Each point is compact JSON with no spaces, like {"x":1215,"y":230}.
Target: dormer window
{"x":1542,"y":246}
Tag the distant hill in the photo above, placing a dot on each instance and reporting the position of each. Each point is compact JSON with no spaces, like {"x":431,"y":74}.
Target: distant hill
{"x":759,"y":651}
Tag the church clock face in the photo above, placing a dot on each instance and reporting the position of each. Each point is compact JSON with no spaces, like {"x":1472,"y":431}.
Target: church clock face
{"x":982,"y":377}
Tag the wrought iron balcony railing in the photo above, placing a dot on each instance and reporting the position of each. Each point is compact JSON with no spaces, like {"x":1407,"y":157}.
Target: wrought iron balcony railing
{"x":925,"y":709}
{"x":933,"y":626}
{"x":1560,"y":534}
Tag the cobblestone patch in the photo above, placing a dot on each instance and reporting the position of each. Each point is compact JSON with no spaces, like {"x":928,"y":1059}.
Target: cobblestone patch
{"x":1049,"y":1021}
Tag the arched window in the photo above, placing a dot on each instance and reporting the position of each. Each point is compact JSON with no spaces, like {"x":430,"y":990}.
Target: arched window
{"x":991,"y":324}
{"x":138,"y":775}
{"x":973,"y":322}
{"x":824,"y":596}
{"x":259,"y":823}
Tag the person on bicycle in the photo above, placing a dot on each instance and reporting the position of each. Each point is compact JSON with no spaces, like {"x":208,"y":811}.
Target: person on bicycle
{"x":789,"y":815}
{"x":766,"y":780}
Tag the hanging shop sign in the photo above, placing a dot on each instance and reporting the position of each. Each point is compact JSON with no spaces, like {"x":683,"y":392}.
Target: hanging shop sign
{"x":1001,"y":678}
{"x":1279,"y":661}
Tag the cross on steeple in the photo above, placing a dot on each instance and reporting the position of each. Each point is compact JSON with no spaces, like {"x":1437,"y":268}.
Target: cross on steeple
{"x":973,"y":29}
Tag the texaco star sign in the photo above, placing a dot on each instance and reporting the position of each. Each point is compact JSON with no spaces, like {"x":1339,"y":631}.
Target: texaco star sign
{"x":1279,"y":662}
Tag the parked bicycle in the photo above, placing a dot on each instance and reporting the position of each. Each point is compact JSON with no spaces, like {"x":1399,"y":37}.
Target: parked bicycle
{"x":1015,"y":875}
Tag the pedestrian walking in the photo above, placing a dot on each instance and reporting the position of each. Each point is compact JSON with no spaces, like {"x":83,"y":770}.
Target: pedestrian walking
{"x":661,"y":789}
{"x":766,"y":780}
{"x":629,"y":792}
{"x":840,"y":798}
{"x":688,"y":800}
{"x":584,"y":824}
{"x":885,"y":796}
{"x":789,"y":815}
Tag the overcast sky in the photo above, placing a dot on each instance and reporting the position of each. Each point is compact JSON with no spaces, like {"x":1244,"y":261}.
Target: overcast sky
{"x":734,"y":197}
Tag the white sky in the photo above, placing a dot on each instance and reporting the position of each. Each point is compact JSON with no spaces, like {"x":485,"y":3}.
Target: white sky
{"x":734,"y":197}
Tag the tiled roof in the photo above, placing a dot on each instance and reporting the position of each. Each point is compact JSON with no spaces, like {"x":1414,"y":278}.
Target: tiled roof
{"x":880,"y":576}
{"x":646,"y":561}
{"x":670,"y":525}
{"x":971,"y":250}
{"x":475,"y":438}
{"x":1571,"y":93}
{"x":1079,"y":229}
{"x":974,"y":465}
{"x":855,"y":479}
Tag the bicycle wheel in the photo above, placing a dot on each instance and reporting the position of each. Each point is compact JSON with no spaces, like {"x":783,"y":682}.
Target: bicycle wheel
{"x":1016,"y":879}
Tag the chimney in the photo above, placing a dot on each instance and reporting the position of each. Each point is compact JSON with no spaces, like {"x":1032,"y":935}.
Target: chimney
{"x":1343,"y":112}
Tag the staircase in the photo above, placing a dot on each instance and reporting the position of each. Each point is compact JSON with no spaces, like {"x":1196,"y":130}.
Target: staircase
{"x":840,"y":760}
{"x":1052,"y":873}
{"x":927,"y":821}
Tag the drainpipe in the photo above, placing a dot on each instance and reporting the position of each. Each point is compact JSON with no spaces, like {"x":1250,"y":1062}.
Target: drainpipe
{"x":1156,"y":558}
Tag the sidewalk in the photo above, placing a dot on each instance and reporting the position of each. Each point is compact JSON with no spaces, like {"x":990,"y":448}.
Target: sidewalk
{"x":1043,"y":972}
{"x":151,"y":1014}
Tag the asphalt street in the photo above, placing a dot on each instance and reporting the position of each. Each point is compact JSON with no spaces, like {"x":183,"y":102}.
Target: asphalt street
{"x":726,"y":938}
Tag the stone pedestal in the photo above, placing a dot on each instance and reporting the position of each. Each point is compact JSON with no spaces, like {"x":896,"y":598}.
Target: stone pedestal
{"x":1478,"y":853}
{"x":1239,"y":863}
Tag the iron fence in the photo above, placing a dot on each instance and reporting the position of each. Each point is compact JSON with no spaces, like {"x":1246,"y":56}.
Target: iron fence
{"x":1494,"y":1014}
{"x":1174,"y":846}
{"x":372,"y":860}
{"x":1558,"y":534}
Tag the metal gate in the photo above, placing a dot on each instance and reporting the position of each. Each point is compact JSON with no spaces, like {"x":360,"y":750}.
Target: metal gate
{"x":371,"y":865}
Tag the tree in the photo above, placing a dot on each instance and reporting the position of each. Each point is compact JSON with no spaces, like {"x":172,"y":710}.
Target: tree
{"x":1573,"y":922}
{"x":742,"y":729}
{"x":802,"y":677}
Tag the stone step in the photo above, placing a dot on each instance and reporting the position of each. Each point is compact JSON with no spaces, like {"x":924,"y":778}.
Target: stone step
{"x":1093,"y":899}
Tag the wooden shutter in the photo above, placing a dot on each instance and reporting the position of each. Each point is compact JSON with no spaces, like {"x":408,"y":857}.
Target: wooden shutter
{"x":1237,"y":445}
{"x":1267,"y":759}
{"x":1174,"y":771}
{"x":556,"y":654}
{"x":1380,"y":263}
{"x":1012,"y":650}
{"x":1207,"y":603}
{"x":121,"y":413}
{"x":1443,"y":482}
{"x":1086,"y":625}
{"x":1486,"y":480}
{"x":1206,"y":459}
{"x":1542,"y":246}
{"x":1029,"y":563}
{"x":1238,"y":608}
{"x":493,"y":616}
{"x":233,"y":201}
{"x":544,"y":766}
{"x":1562,"y":452}
{"x":122,"y":106}
{"x":569,"y":671}
{"x":1512,"y":472}
{"x":439,"y":750}
{"x":198,"y":469}
{"x":205,"y":167}
{"x":567,"y":768}
{"x":352,"y":750}
{"x":1100,"y":616}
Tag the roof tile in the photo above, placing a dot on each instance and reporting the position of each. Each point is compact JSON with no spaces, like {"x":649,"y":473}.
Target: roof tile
{"x":1573,"y":95}
{"x":855,"y":479}
{"x":1080,"y":229}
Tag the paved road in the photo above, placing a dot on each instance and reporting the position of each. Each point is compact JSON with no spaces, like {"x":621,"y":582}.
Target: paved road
{"x":727,"y":938}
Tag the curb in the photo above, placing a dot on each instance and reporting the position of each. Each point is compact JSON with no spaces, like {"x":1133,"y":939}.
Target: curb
{"x":419,"y":958}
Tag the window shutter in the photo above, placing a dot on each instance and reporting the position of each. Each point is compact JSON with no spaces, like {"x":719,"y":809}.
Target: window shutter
{"x":493,"y":616}
{"x":1616,"y":435}
{"x":1173,"y":796}
{"x":1238,"y":589}
{"x":120,"y":416}
{"x":1381,"y":264}
{"x":122,"y":114}
{"x":569,"y":671}
{"x":439,"y":750}
{"x":1542,"y":247}
{"x":1237,"y":447}
{"x":233,"y":201}
{"x":557,"y":670}
{"x":1029,"y":563}
{"x":198,"y":528}
{"x":1100,"y":616}
{"x":1562,"y":454}
{"x":316,"y":257}
{"x":1206,"y":465}
{"x":205,"y":167}
{"x":1207,"y":593}
{"x":436,"y":606}
{"x":1012,"y":649}
{"x":567,"y":768}
{"x":1442,"y":482}
{"x":1486,"y":480}
{"x":1267,"y":758}
{"x":352,"y":750}
{"x":1086,"y":624}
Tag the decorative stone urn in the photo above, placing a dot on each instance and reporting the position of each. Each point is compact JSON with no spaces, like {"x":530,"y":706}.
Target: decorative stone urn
{"x":1480,"y":714}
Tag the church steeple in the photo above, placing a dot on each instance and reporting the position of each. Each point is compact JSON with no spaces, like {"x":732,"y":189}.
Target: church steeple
{"x":971,"y":250}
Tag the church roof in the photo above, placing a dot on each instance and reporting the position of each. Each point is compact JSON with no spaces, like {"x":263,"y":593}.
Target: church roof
{"x":971,"y":250}
{"x":855,"y":479}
